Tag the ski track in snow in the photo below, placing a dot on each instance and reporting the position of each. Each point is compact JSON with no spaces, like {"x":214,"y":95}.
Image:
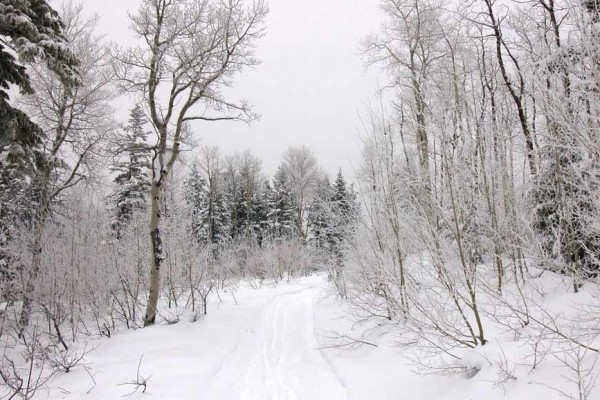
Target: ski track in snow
{"x":277,"y":358}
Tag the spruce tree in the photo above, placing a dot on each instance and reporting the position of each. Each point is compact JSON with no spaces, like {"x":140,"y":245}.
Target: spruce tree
{"x":260,"y":213}
{"x":195,"y":197}
{"x":243,"y":187}
{"x":132,"y":179}
{"x":319,"y":216}
{"x":241,"y":208}
{"x":342,"y":216}
{"x":35,"y":32}
{"x":215,"y":225}
{"x":211,"y":211}
{"x":281,"y":213}
{"x":232,"y":199}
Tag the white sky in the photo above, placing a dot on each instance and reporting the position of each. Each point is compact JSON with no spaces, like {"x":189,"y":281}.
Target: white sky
{"x":309,"y":89}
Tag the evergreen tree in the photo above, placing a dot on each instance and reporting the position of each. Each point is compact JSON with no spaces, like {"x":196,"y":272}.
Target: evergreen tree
{"x":564,"y":204}
{"x":260,"y":213}
{"x":281,"y":215}
{"x":241,"y":208}
{"x":232,"y":198}
{"x":34,"y":30}
{"x":208,"y":208}
{"x":319,"y":215}
{"x":132,"y":179}
{"x":243,"y":185}
{"x":343,"y":215}
{"x":251,"y":215}
{"x":215,"y":226}
{"x":195,"y":197}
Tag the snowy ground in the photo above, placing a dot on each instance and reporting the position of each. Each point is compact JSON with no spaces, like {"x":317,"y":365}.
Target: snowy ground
{"x":269,"y":345}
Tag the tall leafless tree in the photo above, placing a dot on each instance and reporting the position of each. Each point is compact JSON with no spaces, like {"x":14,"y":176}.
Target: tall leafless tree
{"x":189,"y":52}
{"x":303,"y":173}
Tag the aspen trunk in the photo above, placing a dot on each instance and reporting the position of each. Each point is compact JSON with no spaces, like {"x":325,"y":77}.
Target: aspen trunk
{"x":156,"y":255}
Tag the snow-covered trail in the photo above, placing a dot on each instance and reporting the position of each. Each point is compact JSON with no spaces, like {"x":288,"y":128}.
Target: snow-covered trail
{"x":265,"y":344}
{"x":277,"y":358}
{"x":259,"y":346}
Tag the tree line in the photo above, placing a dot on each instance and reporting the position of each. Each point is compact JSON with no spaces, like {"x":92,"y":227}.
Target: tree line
{"x":228,"y":199}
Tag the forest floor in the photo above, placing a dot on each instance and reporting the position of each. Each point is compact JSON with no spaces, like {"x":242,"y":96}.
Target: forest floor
{"x":270,"y":343}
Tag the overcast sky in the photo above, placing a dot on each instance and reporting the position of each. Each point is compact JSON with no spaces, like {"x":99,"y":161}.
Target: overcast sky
{"x":309,"y":89}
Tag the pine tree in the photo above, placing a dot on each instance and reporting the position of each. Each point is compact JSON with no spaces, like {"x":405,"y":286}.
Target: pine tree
{"x":241,"y":208}
{"x":342,"y":217}
{"x":232,"y":199}
{"x":195,"y":196}
{"x":132,"y":179}
{"x":220,"y":221}
{"x":215,"y":225}
{"x":243,"y":187}
{"x":281,"y":215}
{"x":319,"y":216}
{"x":208,"y":208}
{"x":260,"y":213}
{"x":34,"y":30}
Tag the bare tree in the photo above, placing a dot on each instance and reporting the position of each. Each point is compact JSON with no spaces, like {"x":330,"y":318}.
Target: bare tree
{"x":410,"y":43}
{"x":189,"y":53}
{"x":75,"y":121}
{"x":516,"y":89}
{"x":303,"y":173}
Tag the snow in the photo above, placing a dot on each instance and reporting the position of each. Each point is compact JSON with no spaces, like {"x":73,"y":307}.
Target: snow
{"x":262,"y":347}
{"x":277,"y":357}
{"x":271,"y":343}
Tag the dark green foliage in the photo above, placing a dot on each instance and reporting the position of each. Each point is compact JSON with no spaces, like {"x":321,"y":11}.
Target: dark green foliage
{"x":319,"y":216}
{"x":332,"y":216}
{"x":195,"y":193}
{"x":215,"y":219}
{"x":214,"y":226}
{"x":207,"y":209}
{"x":343,"y":215}
{"x":241,"y":209}
{"x":260,"y":214}
{"x":30,"y":31}
{"x":133,"y":170}
{"x":281,"y":216}
{"x":33,"y":30}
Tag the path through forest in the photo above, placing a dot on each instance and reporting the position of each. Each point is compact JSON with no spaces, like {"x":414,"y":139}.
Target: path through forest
{"x":278,"y":356}
{"x":259,"y":344}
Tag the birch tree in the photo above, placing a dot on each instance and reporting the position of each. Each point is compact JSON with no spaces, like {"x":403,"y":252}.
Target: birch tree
{"x":189,"y":52}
